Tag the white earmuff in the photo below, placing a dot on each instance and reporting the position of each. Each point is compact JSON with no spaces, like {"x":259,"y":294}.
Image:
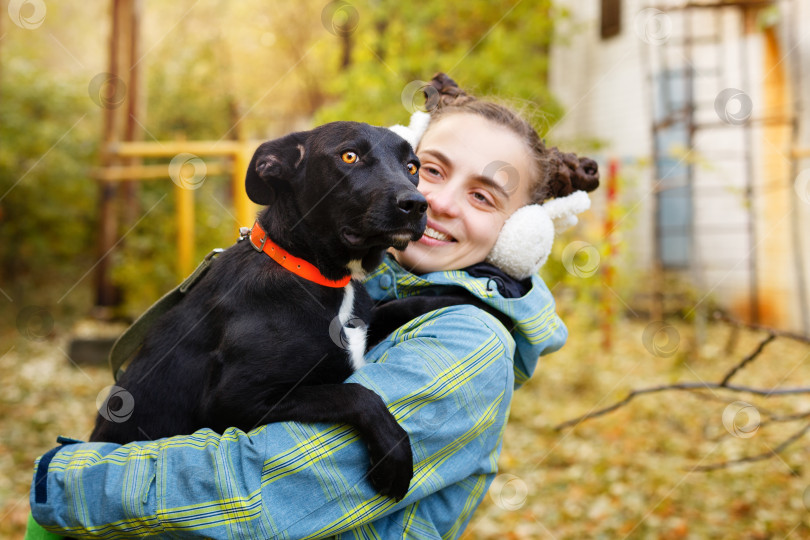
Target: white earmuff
{"x":525,"y":240}
{"x":563,"y":210}
{"x":413,"y":131}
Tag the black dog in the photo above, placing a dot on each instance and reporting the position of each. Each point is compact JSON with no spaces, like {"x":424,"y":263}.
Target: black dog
{"x":253,"y":342}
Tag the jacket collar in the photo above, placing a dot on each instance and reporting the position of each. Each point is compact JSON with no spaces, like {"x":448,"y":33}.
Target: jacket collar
{"x":537,"y":328}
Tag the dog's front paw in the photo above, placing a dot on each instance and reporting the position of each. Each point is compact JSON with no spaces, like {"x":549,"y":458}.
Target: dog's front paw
{"x":391,"y":462}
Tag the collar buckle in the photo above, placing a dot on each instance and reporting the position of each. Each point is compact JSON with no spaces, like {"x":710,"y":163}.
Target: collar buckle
{"x":259,"y":230}
{"x":260,"y":247}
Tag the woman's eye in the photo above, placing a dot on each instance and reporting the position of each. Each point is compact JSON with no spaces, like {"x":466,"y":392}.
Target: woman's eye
{"x":349,"y":157}
{"x":412,"y":168}
{"x":432,"y":171}
{"x":480,"y":197}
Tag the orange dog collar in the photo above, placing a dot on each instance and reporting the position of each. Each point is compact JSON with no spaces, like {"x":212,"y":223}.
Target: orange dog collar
{"x":261,"y":242}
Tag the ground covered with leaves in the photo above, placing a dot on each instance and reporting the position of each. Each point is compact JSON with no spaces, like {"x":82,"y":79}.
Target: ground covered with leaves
{"x":632,"y":473}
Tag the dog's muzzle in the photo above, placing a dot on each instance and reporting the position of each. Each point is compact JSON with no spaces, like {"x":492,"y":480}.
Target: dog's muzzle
{"x":412,"y":203}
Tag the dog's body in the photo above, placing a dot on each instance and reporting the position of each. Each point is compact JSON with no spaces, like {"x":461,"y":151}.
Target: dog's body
{"x":253,"y":343}
{"x":390,"y":315}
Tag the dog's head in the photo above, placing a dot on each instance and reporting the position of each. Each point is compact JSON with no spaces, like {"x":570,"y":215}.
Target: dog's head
{"x":345,"y":182}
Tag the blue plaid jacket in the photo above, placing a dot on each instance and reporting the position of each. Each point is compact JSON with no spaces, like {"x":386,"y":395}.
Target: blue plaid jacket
{"x":447,"y":377}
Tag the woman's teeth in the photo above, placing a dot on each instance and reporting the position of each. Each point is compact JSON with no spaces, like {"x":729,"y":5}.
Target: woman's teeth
{"x":436,"y":235}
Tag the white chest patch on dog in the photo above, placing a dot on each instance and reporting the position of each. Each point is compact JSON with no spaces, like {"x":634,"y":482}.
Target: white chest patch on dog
{"x":353,"y":328}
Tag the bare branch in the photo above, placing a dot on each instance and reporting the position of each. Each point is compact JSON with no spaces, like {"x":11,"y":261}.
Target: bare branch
{"x":690,"y":386}
{"x":720,"y":316}
{"x":747,"y":359}
{"x":773,"y":418}
{"x":724,"y":384}
{"x":758,"y":457}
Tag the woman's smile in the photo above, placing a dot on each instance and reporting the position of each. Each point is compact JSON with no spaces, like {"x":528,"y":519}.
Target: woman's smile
{"x":434,"y":236}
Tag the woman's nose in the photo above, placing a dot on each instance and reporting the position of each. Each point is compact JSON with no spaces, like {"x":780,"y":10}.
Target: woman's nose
{"x":442,"y":199}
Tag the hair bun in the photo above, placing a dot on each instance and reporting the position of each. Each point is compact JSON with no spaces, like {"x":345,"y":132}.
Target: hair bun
{"x":443,"y":91}
{"x":569,"y":173}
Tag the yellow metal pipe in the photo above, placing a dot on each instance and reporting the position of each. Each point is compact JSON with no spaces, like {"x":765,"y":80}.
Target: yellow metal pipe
{"x":243,"y":206}
{"x":240,"y":153}
{"x":184,"y":198}
{"x":147,"y":172}
{"x":172,"y":148}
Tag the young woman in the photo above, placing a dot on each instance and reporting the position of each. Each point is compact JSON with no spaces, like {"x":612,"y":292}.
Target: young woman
{"x":447,"y":376}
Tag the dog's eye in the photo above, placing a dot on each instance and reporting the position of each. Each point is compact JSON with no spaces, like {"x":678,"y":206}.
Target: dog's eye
{"x":349,"y":157}
{"x":412,"y":168}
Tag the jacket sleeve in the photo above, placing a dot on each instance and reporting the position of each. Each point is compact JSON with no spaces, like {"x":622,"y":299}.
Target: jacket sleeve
{"x":446,"y":377}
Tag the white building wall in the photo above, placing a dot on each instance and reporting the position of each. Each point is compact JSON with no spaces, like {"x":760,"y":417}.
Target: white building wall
{"x":601,"y":85}
{"x":606,"y":90}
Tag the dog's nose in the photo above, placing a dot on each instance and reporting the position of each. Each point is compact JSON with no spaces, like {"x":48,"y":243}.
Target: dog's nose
{"x":412,"y":203}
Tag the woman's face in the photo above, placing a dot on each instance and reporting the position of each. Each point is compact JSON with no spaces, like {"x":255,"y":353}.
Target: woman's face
{"x":474,"y":174}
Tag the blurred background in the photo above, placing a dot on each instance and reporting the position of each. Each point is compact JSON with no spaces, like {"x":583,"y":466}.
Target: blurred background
{"x":125,"y":131}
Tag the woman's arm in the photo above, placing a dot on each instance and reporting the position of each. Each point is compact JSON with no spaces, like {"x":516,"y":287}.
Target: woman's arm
{"x":447,"y":378}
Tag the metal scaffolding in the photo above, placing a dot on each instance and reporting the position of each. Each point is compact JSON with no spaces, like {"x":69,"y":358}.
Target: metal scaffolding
{"x":675,"y":71}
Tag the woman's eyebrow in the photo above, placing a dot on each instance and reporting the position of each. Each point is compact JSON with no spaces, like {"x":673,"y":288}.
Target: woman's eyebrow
{"x":493,"y":185}
{"x":438,"y":155}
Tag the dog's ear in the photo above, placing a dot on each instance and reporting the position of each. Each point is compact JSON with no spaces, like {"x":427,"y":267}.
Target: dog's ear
{"x":275,"y":161}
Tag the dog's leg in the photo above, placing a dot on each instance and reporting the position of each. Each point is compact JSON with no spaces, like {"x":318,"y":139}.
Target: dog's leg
{"x":388,"y":444}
